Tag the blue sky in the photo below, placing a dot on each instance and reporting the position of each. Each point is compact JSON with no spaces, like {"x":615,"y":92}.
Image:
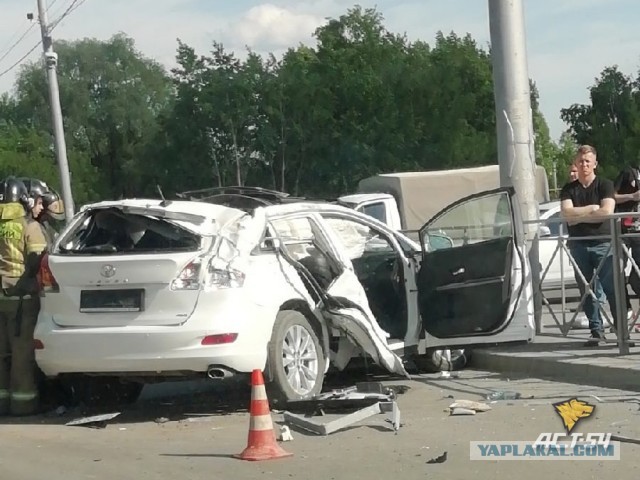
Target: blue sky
{"x":569,"y":42}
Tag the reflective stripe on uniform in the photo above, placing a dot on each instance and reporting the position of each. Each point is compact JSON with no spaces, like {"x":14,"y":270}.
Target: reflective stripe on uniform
{"x":36,"y":247}
{"x":4,"y":298}
{"x":4,"y":393}
{"x":24,"y":396}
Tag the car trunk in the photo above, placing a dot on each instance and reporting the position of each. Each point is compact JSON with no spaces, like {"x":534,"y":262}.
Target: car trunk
{"x":116,"y":268}
{"x":138,"y":292}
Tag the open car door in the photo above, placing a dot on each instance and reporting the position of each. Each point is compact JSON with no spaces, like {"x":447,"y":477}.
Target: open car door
{"x":474,"y":282}
{"x":344,"y":304}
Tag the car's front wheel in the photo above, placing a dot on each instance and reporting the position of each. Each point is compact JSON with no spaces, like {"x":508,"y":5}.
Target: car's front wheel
{"x":296,"y":359}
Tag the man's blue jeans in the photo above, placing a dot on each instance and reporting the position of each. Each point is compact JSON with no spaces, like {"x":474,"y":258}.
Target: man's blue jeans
{"x":588,"y":254}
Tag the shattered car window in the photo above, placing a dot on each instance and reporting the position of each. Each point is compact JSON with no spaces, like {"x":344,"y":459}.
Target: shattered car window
{"x":113,"y":231}
{"x":302,"y":243}
{"x":357,"y":238}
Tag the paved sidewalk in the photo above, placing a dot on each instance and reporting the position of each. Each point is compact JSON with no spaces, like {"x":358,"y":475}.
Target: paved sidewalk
{"x":566,"y":360}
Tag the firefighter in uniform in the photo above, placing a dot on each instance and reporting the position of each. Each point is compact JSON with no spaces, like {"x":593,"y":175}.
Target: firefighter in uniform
{"x":21,"y":245}
{"x":51,"y":391}
{"x":52,"y":206}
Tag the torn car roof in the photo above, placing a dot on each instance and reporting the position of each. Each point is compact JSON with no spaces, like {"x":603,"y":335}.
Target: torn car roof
{"x":204,"y":219}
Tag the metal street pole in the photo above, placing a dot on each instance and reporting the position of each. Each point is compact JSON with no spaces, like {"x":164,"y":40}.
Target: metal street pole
{"x":516,"y":154}
{"x":51,"y":62}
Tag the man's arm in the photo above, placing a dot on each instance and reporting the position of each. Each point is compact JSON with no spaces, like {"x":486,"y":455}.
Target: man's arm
{"x":570,"y":212}
{"x":607,"y":207}
{"x":36,"y":243}
{"x":625,"y":178}
{"x":627,"y":197}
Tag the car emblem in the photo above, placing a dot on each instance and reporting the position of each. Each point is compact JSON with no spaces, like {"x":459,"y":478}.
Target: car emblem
{"x":108,"y":271}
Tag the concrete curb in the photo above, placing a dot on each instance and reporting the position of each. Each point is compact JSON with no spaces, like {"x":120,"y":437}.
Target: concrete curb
{"x":570,"y":366}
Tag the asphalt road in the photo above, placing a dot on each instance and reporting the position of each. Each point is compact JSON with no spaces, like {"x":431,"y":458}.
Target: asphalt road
{"x":194,"y":435}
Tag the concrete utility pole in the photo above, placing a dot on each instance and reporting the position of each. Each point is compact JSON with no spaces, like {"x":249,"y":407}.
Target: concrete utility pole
{"x":516,"y":154}
{"x":51,"y":62}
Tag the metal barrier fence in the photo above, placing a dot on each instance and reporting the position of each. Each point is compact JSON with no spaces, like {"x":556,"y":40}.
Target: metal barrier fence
{"x":619,"y":252}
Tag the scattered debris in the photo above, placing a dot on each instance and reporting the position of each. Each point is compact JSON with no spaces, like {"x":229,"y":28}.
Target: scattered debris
{"x":161,"y":420}
{"x":97,"y":421}
{"x":285,"y":434}
{"x":634,"y":399}
{"x":504,"y":395}
{"x":471,"y":405}
{"x":368,"y":399}
{"x":620,"y":438}
{"x":462,"y":411}
{"x":196,"y":419}
{"x":440,"y":459}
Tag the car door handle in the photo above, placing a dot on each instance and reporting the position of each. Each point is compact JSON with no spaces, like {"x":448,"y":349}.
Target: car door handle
{"x":459,"y":271}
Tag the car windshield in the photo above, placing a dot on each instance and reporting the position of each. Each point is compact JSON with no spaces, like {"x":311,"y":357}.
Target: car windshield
{"x":113,"y":231}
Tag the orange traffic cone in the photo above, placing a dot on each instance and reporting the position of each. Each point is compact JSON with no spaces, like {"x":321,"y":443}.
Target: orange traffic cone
{"x":262,"y":443}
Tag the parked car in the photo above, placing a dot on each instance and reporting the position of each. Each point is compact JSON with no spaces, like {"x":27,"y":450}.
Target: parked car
{"x":560,"y":269}
{"x":147,"y":290}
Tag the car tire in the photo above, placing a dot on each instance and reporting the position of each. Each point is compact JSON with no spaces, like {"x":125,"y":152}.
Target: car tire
{"x":295,"y":352}
{"x":434,"y":360}
{"x":102,"y":391}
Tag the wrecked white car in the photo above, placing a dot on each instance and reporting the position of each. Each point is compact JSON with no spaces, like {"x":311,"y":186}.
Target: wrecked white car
{"x":145,"y":290}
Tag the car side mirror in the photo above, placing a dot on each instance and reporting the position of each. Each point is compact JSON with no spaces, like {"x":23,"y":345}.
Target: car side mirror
{"x":438,"y":241}
{"x":544,"y":231}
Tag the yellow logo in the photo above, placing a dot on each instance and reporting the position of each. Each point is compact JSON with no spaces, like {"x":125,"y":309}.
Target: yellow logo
{"x":572,"y":411}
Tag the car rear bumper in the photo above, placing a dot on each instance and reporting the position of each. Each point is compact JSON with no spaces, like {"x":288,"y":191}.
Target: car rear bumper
{"x":156,"y":350}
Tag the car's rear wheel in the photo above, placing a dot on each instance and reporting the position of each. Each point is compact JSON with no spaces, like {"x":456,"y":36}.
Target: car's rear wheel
{"x":434,"y":360}
{"x":296,"y":359}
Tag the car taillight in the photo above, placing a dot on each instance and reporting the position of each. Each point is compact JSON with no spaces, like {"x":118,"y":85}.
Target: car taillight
{"x":219,"y":339}
{"x":46,"y":280}
{"x":189,"y":277}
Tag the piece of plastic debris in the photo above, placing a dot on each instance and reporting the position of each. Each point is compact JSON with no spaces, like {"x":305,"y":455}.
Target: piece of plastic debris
{"x":285,"y":434}
{"x":462,"y":411}
{"x":503,"y":395}
{"x":97,"y":421}
{"x":209,"y":418}
{"x":440,"y":459}
{"x":471,"y":405}
{"x":161,"y":420}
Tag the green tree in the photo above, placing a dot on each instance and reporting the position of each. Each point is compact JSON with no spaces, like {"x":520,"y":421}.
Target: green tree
{"x":611,"y":122}
{"x":111,"y":97}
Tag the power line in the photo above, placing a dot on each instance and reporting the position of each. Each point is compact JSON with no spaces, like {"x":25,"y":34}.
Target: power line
{"x":4,"y":72}
{"x":19,"y":40}
{"x":12,"y":47}
{"x":75,"y":4}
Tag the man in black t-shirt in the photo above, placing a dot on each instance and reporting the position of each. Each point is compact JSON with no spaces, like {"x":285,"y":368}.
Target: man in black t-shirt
{"x":627,"y":188}
{"x":583,"y":203}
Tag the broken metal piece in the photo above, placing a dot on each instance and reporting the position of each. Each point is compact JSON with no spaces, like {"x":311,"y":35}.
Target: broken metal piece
{"x":368,"y":398}
{"x":97,"y":421}
{"x":327,"y":428}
